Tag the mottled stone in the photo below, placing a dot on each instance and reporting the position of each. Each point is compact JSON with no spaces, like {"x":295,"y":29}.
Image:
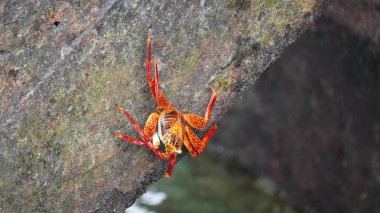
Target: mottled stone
{"x":64,"y":64}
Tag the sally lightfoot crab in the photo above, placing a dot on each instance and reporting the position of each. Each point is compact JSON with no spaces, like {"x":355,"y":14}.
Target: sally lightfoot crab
{"x":167,"y":125}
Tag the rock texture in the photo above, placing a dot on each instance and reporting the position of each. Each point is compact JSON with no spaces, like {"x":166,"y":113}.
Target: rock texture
{"x":64,"y":64}
{"x":312,"y":122}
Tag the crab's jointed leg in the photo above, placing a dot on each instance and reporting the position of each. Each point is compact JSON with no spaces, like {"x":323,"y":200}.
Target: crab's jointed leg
{"x":198,"y":144}
{"x":145,"y":139}
{"x":151,"y":124}
{"x":162,"y":155}
{"x":171,"y":166}
{"x":156,"y":80}
{"x":197,"y":121}
{"x":134,"y":123}
{"x":190,"y":147}
{"x":154,"y":84}
{"x":149,"y":68}
{"x":129,"y":138}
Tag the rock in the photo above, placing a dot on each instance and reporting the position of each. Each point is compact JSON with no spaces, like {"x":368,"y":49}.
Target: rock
{"x":311,"y":122}
{"x":359,"y":16}
{"x":64,"y":65}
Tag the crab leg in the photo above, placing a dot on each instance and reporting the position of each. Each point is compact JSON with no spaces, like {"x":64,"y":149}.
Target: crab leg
{"x":171,"y":166}
{"x":151,"y":124}
{"x":145,"y":140}
{"x":190,"y":147}
{"x":149,"y":68}
{"x":197,"y":143}
{"x":156,"y":79}
{"x":210,"y":106}
{"x":197,"y":121}
{"x":134,"y":123}
{"x":154,"y":84}
{"x":162,"y":155}
{"x":161,"y":99}
{"x":149,"y":145}
{"x":129,"y":138}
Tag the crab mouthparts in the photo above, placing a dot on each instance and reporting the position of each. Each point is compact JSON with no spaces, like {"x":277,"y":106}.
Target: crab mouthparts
{"x":173,"y":149}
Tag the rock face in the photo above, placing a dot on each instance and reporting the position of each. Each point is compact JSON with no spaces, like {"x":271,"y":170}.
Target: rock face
{"x":312,"y":122}
{"x":64,"y":64}
{"x":359,"y":16}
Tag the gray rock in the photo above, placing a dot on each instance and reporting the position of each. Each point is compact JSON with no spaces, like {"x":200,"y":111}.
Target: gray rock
{"x":65,"y":64}
{"x":311,"y":122}
{"x":359,"y":16}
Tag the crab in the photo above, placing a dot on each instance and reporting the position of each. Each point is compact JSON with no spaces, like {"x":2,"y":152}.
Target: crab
{"x":167,"y":126}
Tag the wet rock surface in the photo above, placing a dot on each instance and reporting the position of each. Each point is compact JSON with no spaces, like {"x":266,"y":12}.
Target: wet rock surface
{"x":311,"y":122}
{"x":65,"y":64}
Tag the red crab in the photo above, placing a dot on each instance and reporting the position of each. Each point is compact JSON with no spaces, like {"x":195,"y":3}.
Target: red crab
{"x":169,"y":126}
